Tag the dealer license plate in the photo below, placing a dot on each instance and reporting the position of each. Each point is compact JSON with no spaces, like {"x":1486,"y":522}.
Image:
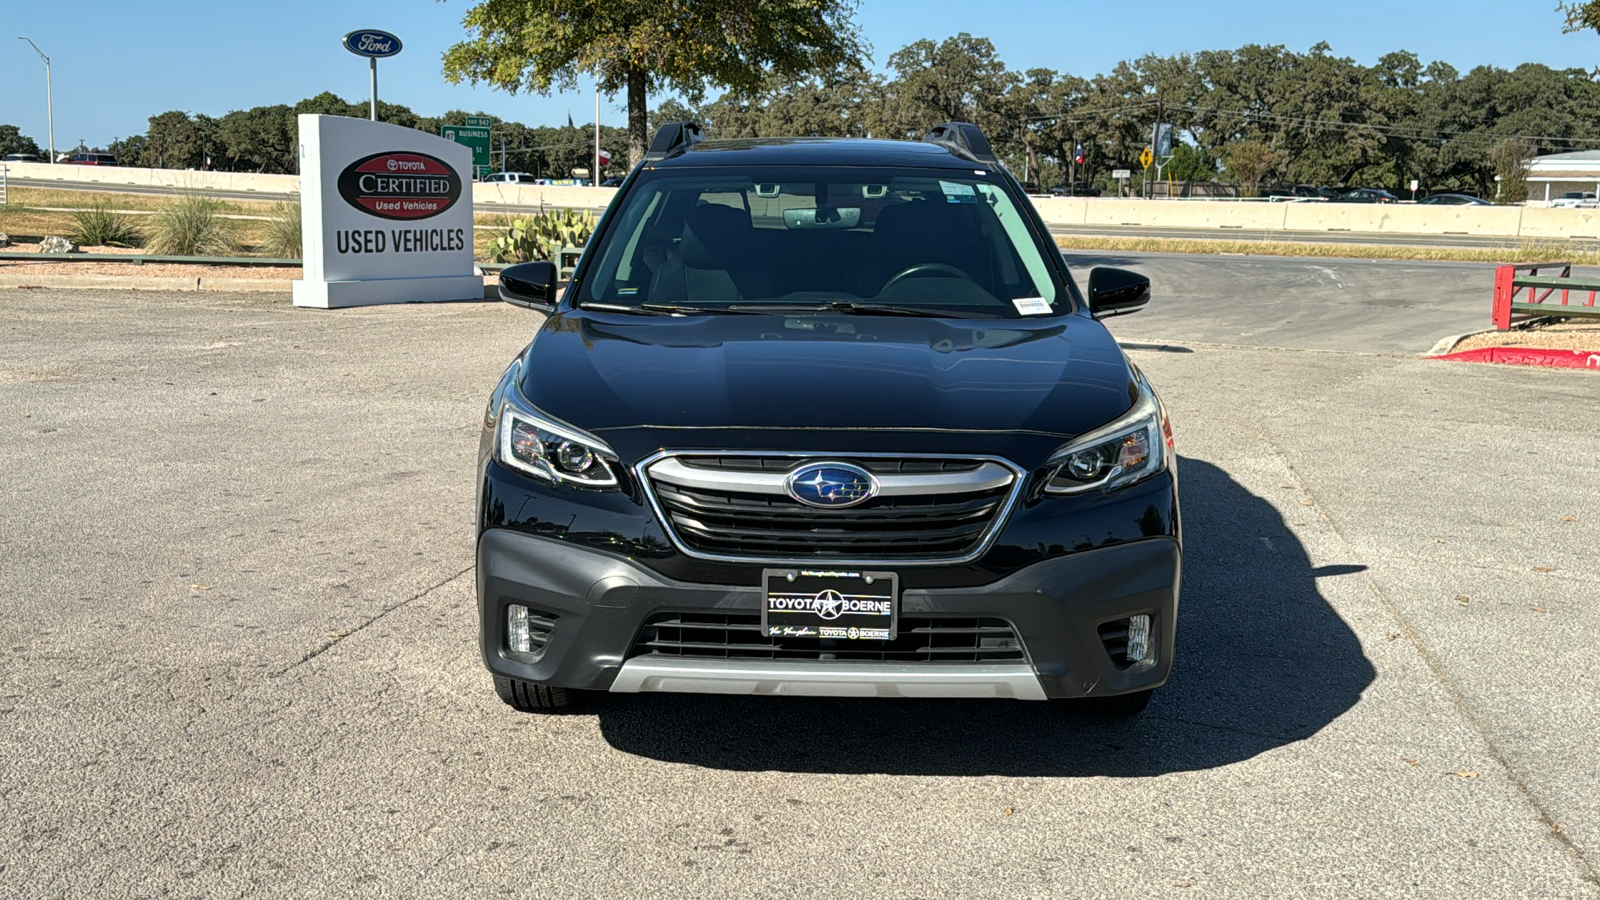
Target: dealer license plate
{"x":848,"y":604}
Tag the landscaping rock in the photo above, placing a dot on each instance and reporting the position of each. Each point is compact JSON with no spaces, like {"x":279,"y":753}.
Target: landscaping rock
{"x":55,"y":244}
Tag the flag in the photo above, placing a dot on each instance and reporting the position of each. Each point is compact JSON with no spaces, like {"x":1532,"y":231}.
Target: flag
{"x":1077,"y":156}
{"x":605,"y":157}
{"x":569,"y":119}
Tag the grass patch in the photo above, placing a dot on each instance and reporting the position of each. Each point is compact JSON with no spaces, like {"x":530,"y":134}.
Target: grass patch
{"x":1526,"y":251}
{"x":282,"y":232}
{"x":101,"y":226}
{"x":192,"y":225}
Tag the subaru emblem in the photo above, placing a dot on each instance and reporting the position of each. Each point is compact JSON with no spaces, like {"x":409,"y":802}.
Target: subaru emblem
{"x":831,"y":485}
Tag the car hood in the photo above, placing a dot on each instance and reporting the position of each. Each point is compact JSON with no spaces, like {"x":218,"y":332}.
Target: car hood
{"x":1054,"y":377}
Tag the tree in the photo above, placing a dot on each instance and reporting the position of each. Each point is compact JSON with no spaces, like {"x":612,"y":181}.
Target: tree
{"x":1583,"y":16}
{"x":13,"y":141}
{"x":642,"y":46}
{"x":1251,"y":161}
{"x":1510,"y":159}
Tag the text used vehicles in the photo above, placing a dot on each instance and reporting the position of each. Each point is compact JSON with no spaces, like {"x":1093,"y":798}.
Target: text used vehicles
{"x":826,"y":417}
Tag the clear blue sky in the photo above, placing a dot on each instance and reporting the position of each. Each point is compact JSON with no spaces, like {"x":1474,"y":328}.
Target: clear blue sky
{"x":117,"y":62}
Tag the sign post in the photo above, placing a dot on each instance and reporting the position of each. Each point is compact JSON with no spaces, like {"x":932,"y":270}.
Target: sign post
{"x":475,"y":138}
{"x":374,"y":45}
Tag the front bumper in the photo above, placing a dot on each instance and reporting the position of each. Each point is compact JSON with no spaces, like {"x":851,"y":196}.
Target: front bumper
{"x":598,"y":602}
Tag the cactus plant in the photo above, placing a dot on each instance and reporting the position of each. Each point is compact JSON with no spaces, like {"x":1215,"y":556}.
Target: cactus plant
{"x":541,"y":236}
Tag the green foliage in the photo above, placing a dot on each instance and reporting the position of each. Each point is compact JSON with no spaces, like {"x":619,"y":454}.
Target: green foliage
{"x":283,"y":232}
{"x":647,"y":45}
{"x":541,"y":236}
{"x":12,"y":140}
{"x":191,"y":225}
{"x":1581,"y":16}
{"x":1249,"y":162}
{"x":100,"y":226}
{"x":1510,"y":159}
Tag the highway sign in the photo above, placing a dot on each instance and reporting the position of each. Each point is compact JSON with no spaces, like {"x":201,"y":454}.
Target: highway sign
{"x":475,"y":137}
{"x":480,"y":121}
{"x":1146,"y":158}
{"x":1122,"y":174}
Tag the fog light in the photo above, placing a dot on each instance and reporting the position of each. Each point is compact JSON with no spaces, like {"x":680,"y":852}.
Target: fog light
{"x":1138,"y":638}
{"x":517,"y":635}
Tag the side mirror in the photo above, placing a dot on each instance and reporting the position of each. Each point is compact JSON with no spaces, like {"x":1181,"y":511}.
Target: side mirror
{"x":1116,"y":292}
{"x":531,"y":285}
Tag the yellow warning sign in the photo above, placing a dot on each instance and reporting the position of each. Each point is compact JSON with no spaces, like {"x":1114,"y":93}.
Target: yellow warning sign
{"x":1146,"y":158}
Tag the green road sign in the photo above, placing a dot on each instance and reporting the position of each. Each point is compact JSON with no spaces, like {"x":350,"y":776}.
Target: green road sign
{"x":474,"y":136}
{"x":481,"y":121}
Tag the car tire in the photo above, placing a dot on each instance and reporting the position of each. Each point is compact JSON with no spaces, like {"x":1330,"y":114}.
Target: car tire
{"x":525,"y":696}
{"x":1120,"y":706}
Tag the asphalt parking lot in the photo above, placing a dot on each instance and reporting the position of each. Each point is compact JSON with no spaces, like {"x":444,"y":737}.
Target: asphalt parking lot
{"x":237,"y":648}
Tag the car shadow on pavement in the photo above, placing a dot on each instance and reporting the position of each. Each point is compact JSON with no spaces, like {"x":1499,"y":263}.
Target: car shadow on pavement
{"x":1262,"y":661}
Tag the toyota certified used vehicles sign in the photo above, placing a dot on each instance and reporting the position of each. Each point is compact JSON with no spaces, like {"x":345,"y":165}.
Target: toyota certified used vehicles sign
{"x":400,"y":185}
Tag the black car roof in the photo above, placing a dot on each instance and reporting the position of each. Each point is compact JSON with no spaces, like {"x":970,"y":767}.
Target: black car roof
{"x":819,"y":152}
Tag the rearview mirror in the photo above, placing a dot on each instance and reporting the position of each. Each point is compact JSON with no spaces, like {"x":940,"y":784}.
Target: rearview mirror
{"x":531,"y":285}
{"x":1116,"y":292}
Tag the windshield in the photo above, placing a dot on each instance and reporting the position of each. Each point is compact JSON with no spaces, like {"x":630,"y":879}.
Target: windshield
{"x":935,"y":241}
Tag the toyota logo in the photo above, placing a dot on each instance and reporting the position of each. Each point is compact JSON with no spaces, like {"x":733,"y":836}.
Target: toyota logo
{"x":831,"y":485}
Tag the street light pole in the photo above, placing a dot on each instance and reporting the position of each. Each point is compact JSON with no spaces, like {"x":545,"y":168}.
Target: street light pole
{"x":49,"y":100}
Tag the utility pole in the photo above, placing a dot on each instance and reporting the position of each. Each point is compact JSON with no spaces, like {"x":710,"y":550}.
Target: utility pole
{"x":596,"y":180}
{"x":49,"y":100}
{"x":1155,"y":136}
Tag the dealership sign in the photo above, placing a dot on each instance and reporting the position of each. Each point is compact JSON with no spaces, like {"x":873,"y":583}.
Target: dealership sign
{"x":400,"y":185}
{"x":371,"y":43}
{"x":386,"y":215}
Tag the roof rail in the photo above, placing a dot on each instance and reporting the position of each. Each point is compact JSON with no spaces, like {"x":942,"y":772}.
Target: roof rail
{"x":966,"y":137}
{"x":671,"y":138}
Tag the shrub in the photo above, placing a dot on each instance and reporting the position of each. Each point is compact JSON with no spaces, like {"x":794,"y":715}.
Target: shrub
{"x":541,"y":236}
{"x":283,"y":232}
{"x":100,"y":226}
{"x":191,"y":225}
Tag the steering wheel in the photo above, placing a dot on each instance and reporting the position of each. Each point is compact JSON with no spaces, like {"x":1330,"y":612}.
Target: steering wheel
{"x":921,"y":268}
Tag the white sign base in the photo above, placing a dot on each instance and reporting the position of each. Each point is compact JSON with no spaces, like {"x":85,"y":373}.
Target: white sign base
{"x":340,"y":294}
{"x":386,"y":215}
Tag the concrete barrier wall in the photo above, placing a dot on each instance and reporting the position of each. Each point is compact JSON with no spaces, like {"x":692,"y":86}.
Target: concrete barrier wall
{"x":128,"y":176}
{"x":1558,"y":224}
{"x":1490,"y":221}
{"x":541,"y":195}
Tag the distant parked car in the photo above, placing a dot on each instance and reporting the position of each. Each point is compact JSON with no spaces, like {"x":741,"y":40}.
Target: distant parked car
{"x":1574,"y":199}
{"x":508,"y":178}
{"x":1075,"y":189}
{"x":92,"y":159}
{"x":1366,"y":195}
{"x":21,"y":157}
{"x":613,"y":182}
{"x":1452,"y":200}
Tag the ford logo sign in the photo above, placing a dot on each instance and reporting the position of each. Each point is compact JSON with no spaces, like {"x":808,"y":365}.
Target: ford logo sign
{"x":376,"y":44}
{"x":831,"y":485}
{"x":400,"y":185}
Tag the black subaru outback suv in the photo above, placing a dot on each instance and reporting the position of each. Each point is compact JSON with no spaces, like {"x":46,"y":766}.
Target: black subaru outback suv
{"x":826,"y":417}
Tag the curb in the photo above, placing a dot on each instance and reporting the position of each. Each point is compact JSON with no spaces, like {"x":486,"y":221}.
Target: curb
{"x":154,"y":283}
{"x":1528,"y":356}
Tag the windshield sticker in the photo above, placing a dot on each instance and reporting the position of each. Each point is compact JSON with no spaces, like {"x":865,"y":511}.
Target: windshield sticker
{"x":1032,"y":306}
{"x":956,"y":192}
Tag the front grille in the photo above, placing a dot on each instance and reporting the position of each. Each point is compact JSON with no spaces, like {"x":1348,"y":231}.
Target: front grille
{"x":739,"y":636}
{"x":942,"y":524}
{"x":912,"y":466}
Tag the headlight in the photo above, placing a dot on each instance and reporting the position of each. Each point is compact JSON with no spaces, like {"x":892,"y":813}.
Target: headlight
{"x":1130,"y":449}
{"x":547,"y":448}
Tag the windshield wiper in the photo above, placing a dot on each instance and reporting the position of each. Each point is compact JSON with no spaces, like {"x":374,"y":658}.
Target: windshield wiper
{"x":659,"y":309}
{"x":851,"y":307}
